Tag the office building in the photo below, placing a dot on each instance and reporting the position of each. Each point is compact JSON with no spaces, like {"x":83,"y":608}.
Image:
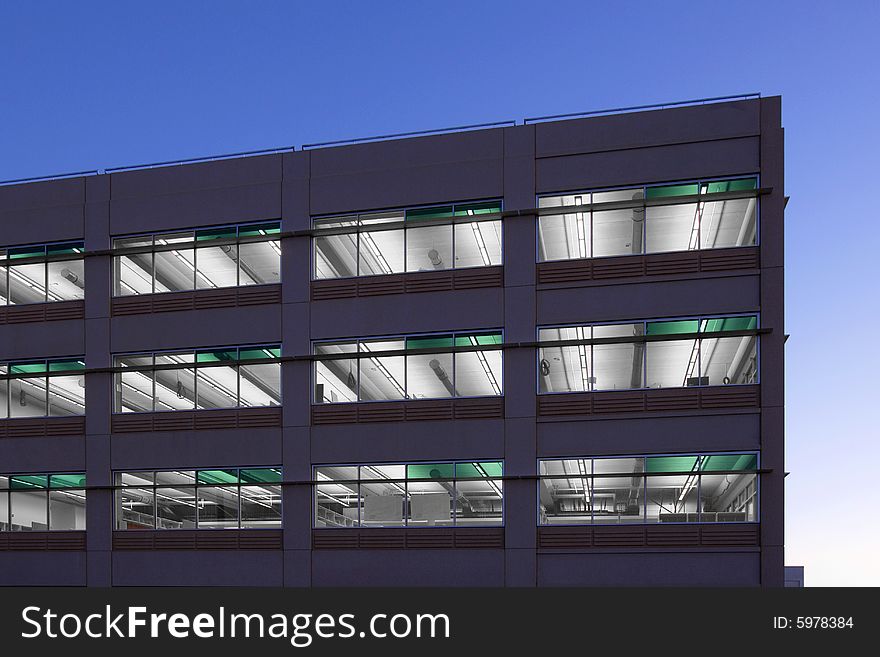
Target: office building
{"x":541,"y":353}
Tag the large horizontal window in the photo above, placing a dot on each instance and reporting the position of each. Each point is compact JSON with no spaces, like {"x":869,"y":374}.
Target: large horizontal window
{"x":649,"y":354}
{"x":204,"y":258}
{"x":409,"y":367}
{"x":649,"y":489}
{"x":683,"y":217}
{"x":462,"y":494}
{"x":409,"y":240}
{"x":225,"y":498}
{"x":41,"y":273}
{"x":40,"y":502}
{"x":42,"y":388}
{"x":218,"y":377}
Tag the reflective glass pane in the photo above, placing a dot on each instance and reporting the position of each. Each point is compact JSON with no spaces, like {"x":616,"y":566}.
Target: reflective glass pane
{"x":382,"y":503}
{"x":133,"y":273}
{"x":260,"y":507}
{"x":133,"y":390}
{"x":728,"y":223}
{"x":478,"y":373}
{"x":564,"y":236}
{"x":565,"y":501}
{"x":429,"y":376}
{"x":429,"y":248}
{"x":4,"y":395}
{"x":478,"y":502}
{"x":618,"y":366}
{"x":4,"y":511}
{"x":175,"y":269}
{"x":260,"y":385}
{"x":4,"y":286}
{"x":672,"y":228}
{"x":175,"y":388}
{"x":67,"y":510}
{"x":174,"y":477}
{"x":727,"y":361}
{"x":66,"y":280}
{"x":429,"y":503}
{"x":564,"y":368}
{"x":381,"y":252}
{"x":27,"y":397}
{"x":478,"y":244}
{"x":67,"y":395}
{"x":176,"y":507}
{"x":29,"y":511}
{"x":218,"y":507}
{"x":217,"y":266}
{"x":336,"y":256}
{"x":618,"y":232}
{"x":672,"y":498}
{"x":217,"y":387}
{"x":336,"y":380}
{"x":382,"y":377}
{"x":728,"y":498}
{"x":673,"y":364}
{"x":259,"y":263}
{"x":618,"y":500}
{"x":135,"y":508}
{"x":27,"y":283}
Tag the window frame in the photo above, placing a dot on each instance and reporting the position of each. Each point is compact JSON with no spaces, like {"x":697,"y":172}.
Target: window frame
{"x":548,"y":211}
{"x":404,"y":483}
{"x":405,"y":224}
{"x":195,"y":365}
{"x":358,"y":355}
{"x":45,"y":369}
{"x":50,"y":252}
{"x":47,"y":490}
{"x":645,"y":322}
{"x":197,"y":242}
{"x":645,"y":488}
{"x":196,"y":485}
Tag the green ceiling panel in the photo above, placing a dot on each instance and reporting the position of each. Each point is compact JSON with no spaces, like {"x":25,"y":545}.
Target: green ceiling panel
{"x":77,"y":480}
{"x":671,"y":190}
{"x":260,"y":229}
{"x":430,"y":471}
{"x":226,"y":233}
{"x":441,"y":212}
{"x":260,"y":476}
{"x":467,"y":340}
{"x":479,"y":469}
{"x":260,"y":353}
{"x":429,"y":342}
{"x":217,"y":476}
{"x":27,"y":252}
{"x":739,"y":185}
{"x":670,"y":463}
{"x":30,"y":367}
{"x":673,"y":327}
{"x":65,"y":249}
{"x":216,"y":355}
{"x":722,"y":462}
{"x":486,"y":207}
{"x":729,"y":324}
{"x":66,"y":365}
{"x":26,"y":482}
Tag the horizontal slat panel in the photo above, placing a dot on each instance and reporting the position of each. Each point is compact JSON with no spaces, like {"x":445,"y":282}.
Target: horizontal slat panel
{"x":411,"y":411}
{"x":673,"y":535}
{"x":655,"y":264}
{"x":439,"y":281}
{"x":199,"y":420}
{"x":42,"y":426}
{"x":60,"y":541}
{"x":208,"y":539}
{"x":392,"y":538}
{"x":227,"y":297}
{"x":656,"y":400}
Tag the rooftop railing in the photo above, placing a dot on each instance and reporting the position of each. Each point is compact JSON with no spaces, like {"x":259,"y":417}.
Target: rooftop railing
{"x":380,"y":138}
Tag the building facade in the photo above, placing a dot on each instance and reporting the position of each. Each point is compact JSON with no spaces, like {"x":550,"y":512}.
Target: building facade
{"x":540,"y":354}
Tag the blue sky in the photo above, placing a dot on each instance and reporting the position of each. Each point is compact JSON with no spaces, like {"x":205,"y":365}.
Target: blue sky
{"x":101,"y":84}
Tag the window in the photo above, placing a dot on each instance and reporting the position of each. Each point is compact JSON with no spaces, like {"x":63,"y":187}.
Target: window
{"x":410,"y":240}
{"x":40,"y":502}
{"x":42,"y":273}
{"x":225,"y":498}
{"x":42,"y":388}
{"x":409,"y":367}
{"x":447,"y":494}
{"x":648,"y":489}
{"x":219,"y":377}
{"x":709,"y":215}
{"x":645,"y":354}
{"x":200,"y":259}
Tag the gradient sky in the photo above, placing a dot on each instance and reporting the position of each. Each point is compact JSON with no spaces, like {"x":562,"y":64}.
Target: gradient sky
{"x":92,"y":85}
